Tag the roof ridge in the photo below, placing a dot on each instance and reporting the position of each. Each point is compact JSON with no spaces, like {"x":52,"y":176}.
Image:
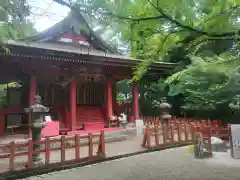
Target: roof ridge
{"x":67,"y":20}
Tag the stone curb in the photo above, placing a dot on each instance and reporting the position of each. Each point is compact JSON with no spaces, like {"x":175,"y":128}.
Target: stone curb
{"x":26,"y":173}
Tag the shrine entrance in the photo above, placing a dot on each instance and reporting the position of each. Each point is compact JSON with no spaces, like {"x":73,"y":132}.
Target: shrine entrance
{"x":76,"y":101}
{"x":91,"y":90}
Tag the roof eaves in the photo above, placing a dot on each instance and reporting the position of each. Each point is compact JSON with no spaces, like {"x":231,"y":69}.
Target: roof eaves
{"x":75,"y":50}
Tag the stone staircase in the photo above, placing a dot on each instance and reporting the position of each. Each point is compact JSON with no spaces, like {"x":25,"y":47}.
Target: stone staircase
{"x":90,"y":117}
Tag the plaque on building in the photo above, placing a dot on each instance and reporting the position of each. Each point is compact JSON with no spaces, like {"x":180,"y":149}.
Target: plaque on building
{"x":235,"y":128}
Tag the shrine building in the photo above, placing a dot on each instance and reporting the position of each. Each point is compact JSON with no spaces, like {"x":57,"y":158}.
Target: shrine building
{"x":74,"y":71}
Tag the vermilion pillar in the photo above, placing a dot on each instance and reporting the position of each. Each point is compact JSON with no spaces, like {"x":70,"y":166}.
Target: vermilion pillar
{"x":114,"y":96}
{"x":72,"y":105}
{"x":109,"y":105}
{"x":135,"y":101}
{"x":32,"y":94}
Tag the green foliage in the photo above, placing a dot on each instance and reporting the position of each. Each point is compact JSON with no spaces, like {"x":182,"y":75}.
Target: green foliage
{"x":13,"y":20}
{"x":191,"y":26}
{"x":207,"y":83}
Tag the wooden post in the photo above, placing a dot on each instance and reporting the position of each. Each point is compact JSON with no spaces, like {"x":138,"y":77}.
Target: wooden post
{"x":156,"y":135}
{"x":179,"y":131}
{"x":62,"y":149}
{"x":145,"y":137}
{"x":230,"y":139}
{"x":109,"y":106}
{"x":148,"y":138}
{"x":12,"y":155}
{"x":101,"y":148}
{"x":209,"y":123}
{"x":90,"y":145}
{"x":73,"y":104}
{"x":47,"y":150}
{"x":164,"y":133}
{"x":209,"y":139}
{"x":172,"y":133}
{"x":77,"y":147}
{"x":185,"y":132}
{"x":30,"y":153}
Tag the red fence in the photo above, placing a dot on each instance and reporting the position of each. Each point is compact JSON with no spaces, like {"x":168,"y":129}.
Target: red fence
{"x":180,"y":130}
{"x":153,"y":120}
{"x":165,"y":134}
{"x":68,"y":146}
{"x":206,"y":132}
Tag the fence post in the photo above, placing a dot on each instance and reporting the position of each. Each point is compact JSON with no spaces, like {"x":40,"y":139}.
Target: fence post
{"x":156,"y":135}
{"x":144,"y":138}
{"x":209,"y":140}
{"x":77,"y":147}
{"x":47,"y":150}
{"x":179,"y":131}
{"x":209,"y":123}
{"x":90,"y":145}
{"x":185,"y":132}
{"x":148,"y":136}
{"x":30,"y":153}
{"x":172,"y":132}
{"x":164,"y":132}
{"x":220,"y":123}
{"x":101,"y":147}
{"x":62,"y":149}
{"x":157,"y":121}
{"x":12,"y":155}
{"x":230,"y":139}
{"x":217,"y":130}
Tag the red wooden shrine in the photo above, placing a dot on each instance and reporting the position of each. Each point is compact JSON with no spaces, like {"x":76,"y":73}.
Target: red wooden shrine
{"x":75,"y":72}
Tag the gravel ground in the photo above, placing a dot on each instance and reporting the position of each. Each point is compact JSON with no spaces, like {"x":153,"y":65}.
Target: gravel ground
{"x":172,"y":164}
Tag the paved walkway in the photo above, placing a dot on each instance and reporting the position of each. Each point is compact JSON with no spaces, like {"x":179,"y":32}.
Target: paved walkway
{"x":171,"y":164}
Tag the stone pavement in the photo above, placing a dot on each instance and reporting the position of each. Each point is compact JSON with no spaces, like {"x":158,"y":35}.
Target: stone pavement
{"x":171,"y":164}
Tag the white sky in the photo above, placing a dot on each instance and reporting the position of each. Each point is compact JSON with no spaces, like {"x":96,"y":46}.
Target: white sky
{"x":46,"y":13}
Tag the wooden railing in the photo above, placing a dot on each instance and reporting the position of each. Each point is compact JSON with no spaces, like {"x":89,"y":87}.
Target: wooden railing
{"x":153,"y":120}
{"x":18,"y":156}
{"x":206,"y":132}
{"x":165,"y":134}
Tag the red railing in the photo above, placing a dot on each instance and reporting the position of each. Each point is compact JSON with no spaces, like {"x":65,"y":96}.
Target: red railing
{"x":10,"y":152}
{"x":179,"y":130}
{"x":153,"y":120}
{"x":166,"y":134}
{"x":206,"y":132}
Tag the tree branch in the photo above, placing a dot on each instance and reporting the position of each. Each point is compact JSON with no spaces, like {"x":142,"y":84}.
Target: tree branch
{"x":61,"y":2}
{"x":202,"y":32}
{"x":134,"y":19}
{"x":222,"y":12}
{"x":167,"y":17}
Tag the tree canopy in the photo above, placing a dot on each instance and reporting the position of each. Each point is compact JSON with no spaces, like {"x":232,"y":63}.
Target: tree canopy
{"x":13,"y":20}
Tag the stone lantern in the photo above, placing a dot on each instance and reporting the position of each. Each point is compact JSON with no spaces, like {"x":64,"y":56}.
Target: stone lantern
{"x":165,"y":116}
{"x":37,"y":123}
{"x":165,"y":107}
